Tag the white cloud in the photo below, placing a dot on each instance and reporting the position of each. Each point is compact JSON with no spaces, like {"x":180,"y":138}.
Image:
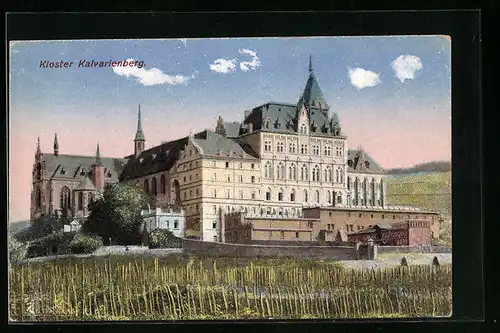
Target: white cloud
{"x":405,"y":67}
{"x":361,"y":78}
{"x":224,"y":66}
{"x":150,"y":77}
{"x":248,"y":65}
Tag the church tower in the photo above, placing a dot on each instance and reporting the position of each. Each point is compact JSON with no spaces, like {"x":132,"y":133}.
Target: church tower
{"x":139,"y":140}
{"x":312,"y":96}
{"x":56,"y":145}
{"x":98,"y":171}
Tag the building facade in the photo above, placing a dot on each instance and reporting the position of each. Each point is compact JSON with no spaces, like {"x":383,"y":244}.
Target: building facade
{"x":282,"y":159}
{"x":165,"y":220}
{"x":406,"y":233}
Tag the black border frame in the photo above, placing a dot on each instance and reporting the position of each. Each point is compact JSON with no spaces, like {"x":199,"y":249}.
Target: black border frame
{"x":464,"y":29}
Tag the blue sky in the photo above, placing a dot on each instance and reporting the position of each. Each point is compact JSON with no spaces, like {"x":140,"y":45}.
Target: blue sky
{"x":399,"y":121}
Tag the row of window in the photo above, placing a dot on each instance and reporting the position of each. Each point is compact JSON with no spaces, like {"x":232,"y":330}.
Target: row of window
{"x":357,"y":183}
{"x":259,"y":210}
{"x":304,"y":173}
{"x":65,"y":199}
{"x":329,"y":195}
{"x":154,"y":186}
{"x":228,"y":164}
{"x":304,"y":149}
{"x":228,"y":178}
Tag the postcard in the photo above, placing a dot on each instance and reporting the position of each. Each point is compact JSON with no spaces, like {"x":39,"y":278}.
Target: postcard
{"x":236,"y":178}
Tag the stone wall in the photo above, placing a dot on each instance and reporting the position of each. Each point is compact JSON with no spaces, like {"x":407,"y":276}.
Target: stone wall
{"x":195,"y":247}
{"x":414,"y":249}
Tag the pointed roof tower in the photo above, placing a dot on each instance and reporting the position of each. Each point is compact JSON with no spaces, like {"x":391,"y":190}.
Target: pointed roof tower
{"x":98,"y":160}
{"x":38,"y":150}
{"x":312,"y":95}
{"x":56,"y":145}
{"x":139,"y":135}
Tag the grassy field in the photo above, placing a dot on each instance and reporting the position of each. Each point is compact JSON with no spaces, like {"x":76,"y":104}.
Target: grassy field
{"x":178,"y":288}
{"x":430,"y":191}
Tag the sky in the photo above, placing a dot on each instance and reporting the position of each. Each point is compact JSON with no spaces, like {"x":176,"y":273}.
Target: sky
{"x":392,"y":94}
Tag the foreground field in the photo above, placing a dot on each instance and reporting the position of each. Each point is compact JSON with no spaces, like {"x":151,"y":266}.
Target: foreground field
{"x":177,"y":288}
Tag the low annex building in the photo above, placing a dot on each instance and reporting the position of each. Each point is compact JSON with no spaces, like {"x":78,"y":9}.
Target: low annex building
{"x":165,"y":220}
{"x":410,"y":233}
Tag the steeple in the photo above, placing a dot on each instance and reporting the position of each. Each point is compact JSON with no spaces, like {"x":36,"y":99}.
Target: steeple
{"x":38,"y":150}
{"x":220,"y":128}
{"x":139,"y":136}
{"x":312,"y":95}
{"x":98,"y":156}
{"x":56,"y":145}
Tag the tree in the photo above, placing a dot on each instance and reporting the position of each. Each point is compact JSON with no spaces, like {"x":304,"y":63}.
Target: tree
{"x":117,"y":215}
{"x":41,"y":227}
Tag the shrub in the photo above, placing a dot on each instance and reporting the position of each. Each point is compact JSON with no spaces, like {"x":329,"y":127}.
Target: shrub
{"x":17,"y":251}
{"x":57,"y":243}
{"x":85,"y":244}
{"x":163,"y":239}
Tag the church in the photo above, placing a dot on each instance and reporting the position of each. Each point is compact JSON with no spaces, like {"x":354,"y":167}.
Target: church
{"x":279,"y":160}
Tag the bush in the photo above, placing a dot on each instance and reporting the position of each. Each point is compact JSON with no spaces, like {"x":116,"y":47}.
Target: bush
{"x":163,"y":239}
{"x":85,"y":244}
{"x":17,"y":251}
{"x":57,"y":243}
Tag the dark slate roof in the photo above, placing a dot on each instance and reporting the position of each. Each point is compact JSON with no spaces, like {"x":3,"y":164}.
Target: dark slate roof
{"x":353,"y":157}
{"x":232,"y":129}
{"x":282,"y":117}
{"x":85,"y":185}
{"x":212,"y":143}
{"x":154,"y":160}
{"x":75,"y":167}
{"x":312,"y":95}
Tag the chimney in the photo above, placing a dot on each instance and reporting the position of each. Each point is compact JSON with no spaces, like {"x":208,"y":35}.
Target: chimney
{"x":250,"y":127}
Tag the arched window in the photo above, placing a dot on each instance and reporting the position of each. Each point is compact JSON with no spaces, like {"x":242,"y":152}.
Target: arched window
{"x":268,"y":194}
{"x":65,"y":198}
{"x":339,"y":199}
{"x":317,"y":196}
{"x":280,"y":194}
{"x":305,"y":196}
{"x":348,"y":183}
{"x":304,"y":173}
{"x":80,"y":201}
{"x":163,"y":184}
{"x":292,"y":195}
{"x":268,"y":170}
{"x":328,"y":197}
{"x":292,"y":172}
{"x":315,"y":173}
{"x":146,"y":186}
{"x":281,"y":170}
{"x":303,"y":129}
{"x":154,"y":186}
{"x":337,"y":176}
{"x":341,"y":175}
{"x":90,"y":198}
{"x":38,"y":198}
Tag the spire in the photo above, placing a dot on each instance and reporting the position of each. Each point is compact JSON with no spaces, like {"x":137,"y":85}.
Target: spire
{"x":98,"y":155}
{"x":312,"y":95}
{"x":220,"y":128}
{"x":139,"y":135}
{"x":56,"y":145}
{"x":38,"y":150}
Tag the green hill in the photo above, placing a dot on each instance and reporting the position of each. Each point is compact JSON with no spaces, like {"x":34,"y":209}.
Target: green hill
{"x":430,"y":191}
{"x":435,"y":166}
{"x":15,"y":227}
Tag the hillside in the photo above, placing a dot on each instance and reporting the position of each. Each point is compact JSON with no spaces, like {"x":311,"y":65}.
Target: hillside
{"x":17,"y":226}
{"x":429,"y":191}
{"x":436,"y":166}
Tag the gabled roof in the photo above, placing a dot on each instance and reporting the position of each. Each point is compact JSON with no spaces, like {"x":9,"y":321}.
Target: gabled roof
{"x":355,"y":158}
{"x":214,"y":144}
{"x":85,"y":185}
{"x":154,"y":160}
{"x":76,"y":167}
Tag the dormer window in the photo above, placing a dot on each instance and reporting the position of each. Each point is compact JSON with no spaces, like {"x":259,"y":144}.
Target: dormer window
{"x":63,"y":171}
{"x":303,"y":129}
{"x":109,"y":174}
{"x":82,"y":171}
{"x":367,"y":164}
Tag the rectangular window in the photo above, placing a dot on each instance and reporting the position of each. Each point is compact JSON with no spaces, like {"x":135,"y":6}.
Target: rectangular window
{"x":297,"y":235}
{"x":253,"y":179}
{"x":176,"y":224}
{"x":227,"y":164}
{"x":282,"y":235}
{"x":241,"y":194}
{"x":253,"y":196}
{"x":280,"y":196}
{"x":253,"y":166}
{"x":227,"y":193}
{"x":214,"y":225}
